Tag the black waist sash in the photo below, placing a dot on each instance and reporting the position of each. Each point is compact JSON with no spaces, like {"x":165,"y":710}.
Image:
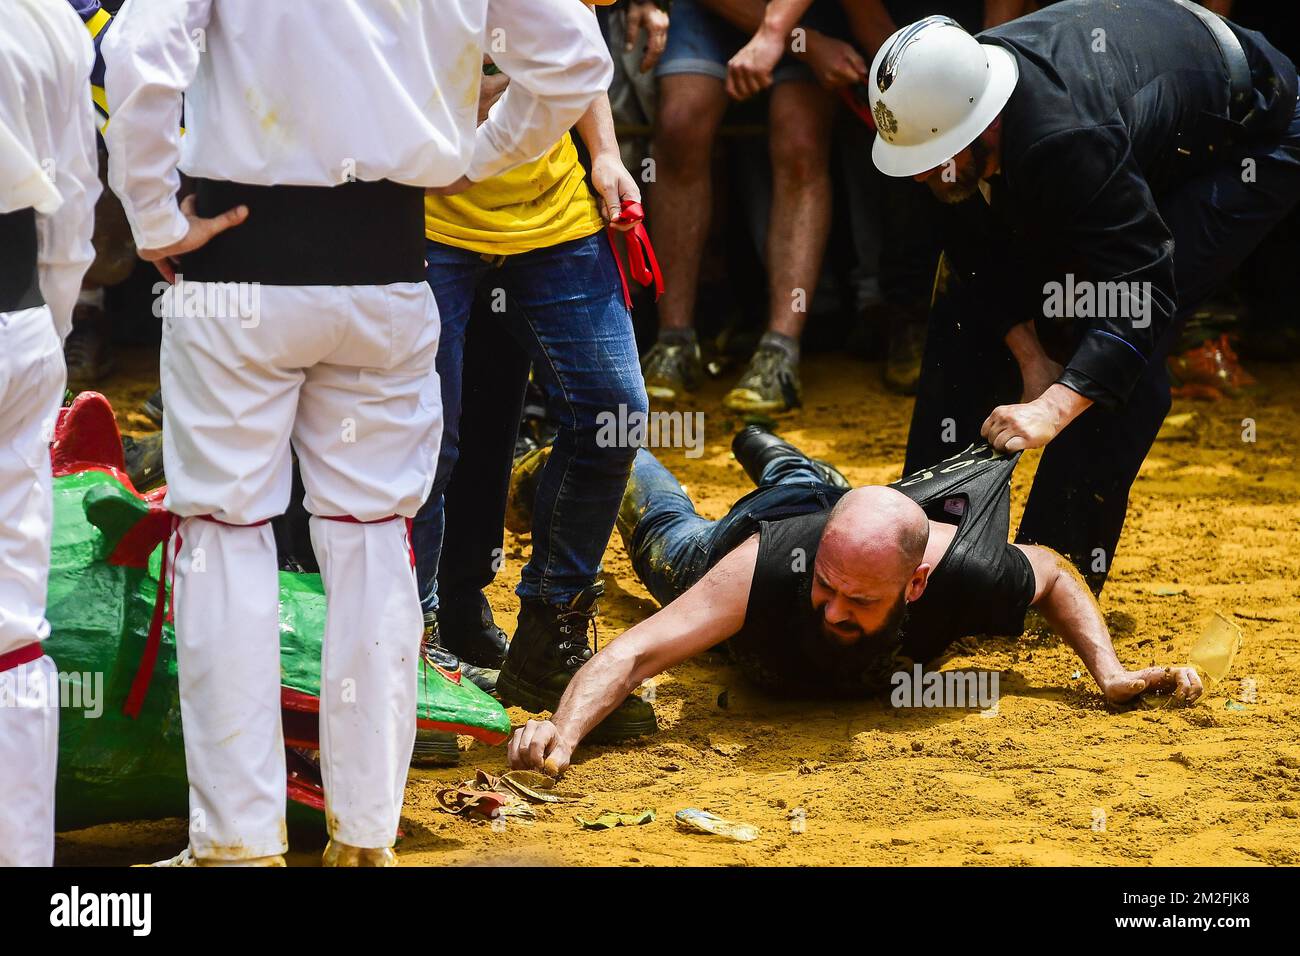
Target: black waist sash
{"x":20,"y":286}
{"x":358,"y":233}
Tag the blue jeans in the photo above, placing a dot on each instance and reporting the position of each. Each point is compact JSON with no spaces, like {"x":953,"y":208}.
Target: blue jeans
{"x":565,"y":311}
{"x":672,"y":546}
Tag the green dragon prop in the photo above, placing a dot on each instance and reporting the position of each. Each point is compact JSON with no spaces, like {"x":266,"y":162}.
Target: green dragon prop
{"x":124,"y":759}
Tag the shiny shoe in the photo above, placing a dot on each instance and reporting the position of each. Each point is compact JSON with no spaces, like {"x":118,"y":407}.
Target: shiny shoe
{"x":755,"y":447}
{"x":672,"y":369}
{"x":344,"y":854}
{"x":770,"y":385}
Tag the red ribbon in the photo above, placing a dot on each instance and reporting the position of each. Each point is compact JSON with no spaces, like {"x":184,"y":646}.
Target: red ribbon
{"x":22,"y":655}
{"x":640,"y":254}
{"x":162,"y":610}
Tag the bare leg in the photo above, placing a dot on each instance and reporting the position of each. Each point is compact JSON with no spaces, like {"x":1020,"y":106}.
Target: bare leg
{"x":690,"y":111}
{"x":801,"y":201}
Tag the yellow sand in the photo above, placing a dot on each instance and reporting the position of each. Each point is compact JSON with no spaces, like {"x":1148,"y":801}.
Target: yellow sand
{"x":1213,"y":518}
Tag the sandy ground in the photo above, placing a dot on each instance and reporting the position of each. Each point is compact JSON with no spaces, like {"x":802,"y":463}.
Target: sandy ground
{"x":1214,"y":525}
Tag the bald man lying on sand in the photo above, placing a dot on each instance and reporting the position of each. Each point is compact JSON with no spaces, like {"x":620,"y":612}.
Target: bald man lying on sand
{"x":824,"y":591}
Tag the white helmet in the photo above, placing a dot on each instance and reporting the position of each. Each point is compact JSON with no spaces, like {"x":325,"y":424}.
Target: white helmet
{"x":934,"y":88}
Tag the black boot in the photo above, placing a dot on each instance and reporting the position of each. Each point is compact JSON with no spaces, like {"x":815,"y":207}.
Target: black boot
{"x":469,"y":631}
{"x":755,"y":446}
{"x":144,"y":460}
{"x":549,"y":646}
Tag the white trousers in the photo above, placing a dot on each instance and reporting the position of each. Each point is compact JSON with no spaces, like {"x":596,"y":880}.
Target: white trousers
{"x":345,"y":374}
{"x":32,"y":379}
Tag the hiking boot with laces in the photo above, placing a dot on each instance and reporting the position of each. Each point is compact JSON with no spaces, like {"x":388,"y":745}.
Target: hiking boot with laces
{"x":769,"y":386}
{"x":672,"y":368}
{"x":548,"y":648}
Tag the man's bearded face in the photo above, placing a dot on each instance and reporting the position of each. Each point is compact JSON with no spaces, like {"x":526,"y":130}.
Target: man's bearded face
{"x":959,"y":178}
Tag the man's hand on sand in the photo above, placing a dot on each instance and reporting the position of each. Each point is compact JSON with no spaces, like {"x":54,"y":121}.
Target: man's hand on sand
{"x":1183,"y":683}
{"x":537,"y":745}
{"x":200,"y":232}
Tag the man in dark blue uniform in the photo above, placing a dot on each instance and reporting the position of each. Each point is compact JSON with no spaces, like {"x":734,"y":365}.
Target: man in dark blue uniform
{"x":1106,"y":166}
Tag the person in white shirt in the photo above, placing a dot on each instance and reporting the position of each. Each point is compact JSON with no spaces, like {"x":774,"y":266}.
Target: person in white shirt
{"x":299,"y":315}
{"x":48,"y":188}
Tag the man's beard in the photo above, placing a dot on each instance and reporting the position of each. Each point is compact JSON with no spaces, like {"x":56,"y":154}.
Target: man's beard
{"x":968,"y":177}
{"x":868,"y":644}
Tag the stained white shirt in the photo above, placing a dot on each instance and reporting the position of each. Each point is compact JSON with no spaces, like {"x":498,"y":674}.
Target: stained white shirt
{"x":315,"y":93}
{"x":47,"y":141}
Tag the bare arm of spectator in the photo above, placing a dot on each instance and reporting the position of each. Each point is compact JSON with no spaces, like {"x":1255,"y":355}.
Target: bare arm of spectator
{"x":646,"y":15}
{"x":870,"y":22}
{"x":750,"y":71}
{"x":1222,"y":7}
{"x":613,"y":183}
{"x":1003,"y":11}
{"x":833,"y":62}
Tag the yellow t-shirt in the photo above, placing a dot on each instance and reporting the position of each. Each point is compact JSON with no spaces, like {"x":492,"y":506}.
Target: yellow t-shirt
{"x":532,"y":206}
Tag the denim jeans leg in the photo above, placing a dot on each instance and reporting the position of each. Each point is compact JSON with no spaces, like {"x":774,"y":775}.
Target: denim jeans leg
{"x":666,"y":539}
{"x":792,"y":467}
{"x":452,"y":275}
{"x":567,"y":310}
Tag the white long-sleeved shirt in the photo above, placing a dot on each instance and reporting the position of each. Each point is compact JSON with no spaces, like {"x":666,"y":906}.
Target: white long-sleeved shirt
{"x":314,"y":94}
{"x":48,"y":156}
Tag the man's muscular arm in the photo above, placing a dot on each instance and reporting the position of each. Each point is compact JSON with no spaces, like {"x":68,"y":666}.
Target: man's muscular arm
{"x":1063,"y":599}
{"x":710,"y":612}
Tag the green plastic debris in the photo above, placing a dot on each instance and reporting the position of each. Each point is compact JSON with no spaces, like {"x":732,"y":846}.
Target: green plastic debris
{"x":609,"y":819}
